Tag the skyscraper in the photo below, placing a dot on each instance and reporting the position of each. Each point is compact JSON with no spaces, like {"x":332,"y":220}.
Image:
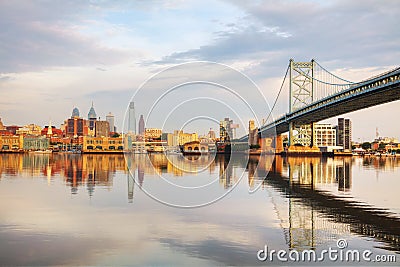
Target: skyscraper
{"x":75,"y":113}
{"x":227,"y":129}
{"x":92,"y":117}
{"x":141,"y":125}
{"x":131,"y":118}
{"x":110,"y":119}
{"x":102,"y":128}
{"x":344,"y":134}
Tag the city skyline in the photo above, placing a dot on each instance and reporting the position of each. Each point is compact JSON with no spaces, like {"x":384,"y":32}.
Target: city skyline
{"x":104,"y":51}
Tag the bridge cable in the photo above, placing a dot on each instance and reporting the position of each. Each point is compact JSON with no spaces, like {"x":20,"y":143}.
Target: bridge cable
{"x":350,"y":82}
{"x":277,"y":97}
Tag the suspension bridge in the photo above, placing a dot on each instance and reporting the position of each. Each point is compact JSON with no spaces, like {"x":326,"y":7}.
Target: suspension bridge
{"x":316,"y":94}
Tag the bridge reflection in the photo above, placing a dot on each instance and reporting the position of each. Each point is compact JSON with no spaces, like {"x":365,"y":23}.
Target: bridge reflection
{"x":314,"y":211}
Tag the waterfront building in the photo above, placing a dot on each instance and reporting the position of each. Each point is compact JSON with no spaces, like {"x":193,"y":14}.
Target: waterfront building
{"x":102,"y":143}
{"x":152,"y":133}
{"x":344,"y":134}
{"x":131,"y":118}
{"x":195,"y":146}
{"x":179,"y":138}
{"x":11,"y":142}
{"x":102,"y":128}
{"x":141,"y":125}
{"x":111,"y":121}
{"x":31,"y":142}
{"x":325,"y":135}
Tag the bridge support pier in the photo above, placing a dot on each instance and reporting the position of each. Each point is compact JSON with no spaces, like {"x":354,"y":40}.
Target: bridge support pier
{"x":302,"y":140}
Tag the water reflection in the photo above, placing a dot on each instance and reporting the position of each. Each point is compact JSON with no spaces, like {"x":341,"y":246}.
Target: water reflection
{"x":313,"y":199}
{"x":312,"y":209}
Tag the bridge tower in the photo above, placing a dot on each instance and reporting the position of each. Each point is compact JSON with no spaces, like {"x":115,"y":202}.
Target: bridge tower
{"x":301,"y":94}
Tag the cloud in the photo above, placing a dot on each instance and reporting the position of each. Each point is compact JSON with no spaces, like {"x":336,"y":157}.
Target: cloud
{"x":340,"y":33}
{"x":36,"y":36}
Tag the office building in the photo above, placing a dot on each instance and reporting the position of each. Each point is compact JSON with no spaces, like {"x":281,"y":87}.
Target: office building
{"x":131,"y":118}
{"x":227,"y":130}
{"x":344,"y":134}
{"x":75,"y":126}
{"x":92,"y":117}
{"x":325,"y":135}
{"x":141,"y":125}
{"x":110,"y":120}
{"x":75,"y":112}
{"x":102,"y":129}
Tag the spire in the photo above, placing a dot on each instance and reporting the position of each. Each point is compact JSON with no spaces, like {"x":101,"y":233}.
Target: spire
{"x":49,"y":129}
{"x":92,"y":113}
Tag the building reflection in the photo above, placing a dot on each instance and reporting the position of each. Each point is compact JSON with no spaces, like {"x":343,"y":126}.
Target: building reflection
{"x":86,"y":171}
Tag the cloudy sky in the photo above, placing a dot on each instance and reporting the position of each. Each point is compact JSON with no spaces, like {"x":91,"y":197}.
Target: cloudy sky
{"x":55,"y":55}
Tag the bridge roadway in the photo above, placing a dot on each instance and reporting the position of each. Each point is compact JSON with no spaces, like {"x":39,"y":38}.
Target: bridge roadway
{"x":375,"y":91}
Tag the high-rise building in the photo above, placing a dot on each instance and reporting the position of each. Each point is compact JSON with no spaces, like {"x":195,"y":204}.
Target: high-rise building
{"x":102,"y":128}
{"x":110,"y":119}
{"x":224,"y":130}
{"x":131,"y":118}
{"x":75,"y":126}
{"x":92,"y":117}
{"x":141,"y":125}
{"x":344,"y":134}
{"x":75,"y":113}
{"x":325,"y":135}
{"x":227,"y":129}
{"x":211,"y":134}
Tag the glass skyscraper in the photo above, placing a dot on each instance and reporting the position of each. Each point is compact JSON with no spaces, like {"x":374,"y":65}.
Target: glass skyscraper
{"x":131,"y":118}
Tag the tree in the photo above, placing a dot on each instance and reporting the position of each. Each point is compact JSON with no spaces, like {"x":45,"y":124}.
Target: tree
{"x":115,"y":135}
{"x":366,"y":145}
{"x":382,"y":146}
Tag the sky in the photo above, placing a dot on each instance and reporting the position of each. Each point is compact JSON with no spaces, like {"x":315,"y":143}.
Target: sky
{"x":57,"y":55}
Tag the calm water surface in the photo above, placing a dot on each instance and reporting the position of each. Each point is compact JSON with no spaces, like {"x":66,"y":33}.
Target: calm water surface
{"x":65,"y":209}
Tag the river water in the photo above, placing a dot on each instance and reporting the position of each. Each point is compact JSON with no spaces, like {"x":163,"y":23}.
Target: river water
{"x":71,"y":209}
